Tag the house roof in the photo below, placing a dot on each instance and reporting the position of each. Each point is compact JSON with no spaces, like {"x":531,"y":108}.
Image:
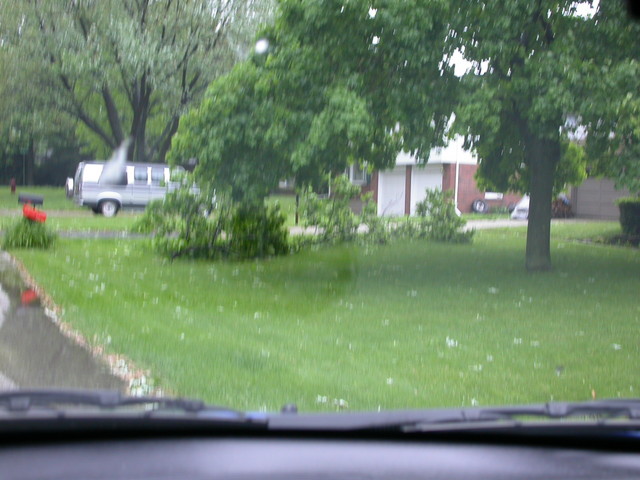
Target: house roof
{"x":452,"y":153}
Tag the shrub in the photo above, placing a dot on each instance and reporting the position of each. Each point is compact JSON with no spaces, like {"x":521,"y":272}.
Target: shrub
{"x":26,"y":233}
{"x":437,"y":218}
{"x":335,"y":219}
{"x":256,"y":231}
{"x":186,"y":222}
{"x":203,"y":224}
{"x":629,"y":215}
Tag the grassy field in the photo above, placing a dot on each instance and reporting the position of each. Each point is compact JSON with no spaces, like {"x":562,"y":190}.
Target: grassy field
{"x":54,"y":198}
{"x":62,"y":221}
{"x":403,"y":325}
{"x":64,"y":216}
{"x":287,"y":206}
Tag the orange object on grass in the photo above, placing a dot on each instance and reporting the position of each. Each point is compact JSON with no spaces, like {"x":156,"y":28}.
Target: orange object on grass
{"x":28,"y":297}
{"x":32,"y":214}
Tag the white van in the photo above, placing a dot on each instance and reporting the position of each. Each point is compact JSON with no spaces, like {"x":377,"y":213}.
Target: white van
{"x":107,"y":190}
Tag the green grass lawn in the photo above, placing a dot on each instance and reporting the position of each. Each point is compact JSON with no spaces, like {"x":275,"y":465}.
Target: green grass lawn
{"x":64,"y":216}
{"x":287,"y":206}
{"x":410,"y":324}
{"x":54,"y":198}
{"x":81,"y":221}
{"x":95,"y":223}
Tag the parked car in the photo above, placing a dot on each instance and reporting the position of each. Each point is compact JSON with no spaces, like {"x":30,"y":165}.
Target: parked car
{"x":521,"y":212}
{"x":106,"y":187}
{"x":560,"y":208}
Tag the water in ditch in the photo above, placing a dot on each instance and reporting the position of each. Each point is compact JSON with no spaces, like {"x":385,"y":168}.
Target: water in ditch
{"x":33,"y":351}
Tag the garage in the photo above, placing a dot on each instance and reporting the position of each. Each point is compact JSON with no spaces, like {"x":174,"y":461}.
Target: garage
{"x":596,"y":198}
{"x":400,"y":189}
{"x":391,"y":187}
{"x":423,"y":178}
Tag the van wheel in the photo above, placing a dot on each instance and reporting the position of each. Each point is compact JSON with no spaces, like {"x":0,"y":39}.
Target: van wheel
{"x":109,"y":208}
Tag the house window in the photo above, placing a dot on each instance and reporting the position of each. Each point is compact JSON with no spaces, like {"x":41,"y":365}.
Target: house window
{"x":357,"y":174}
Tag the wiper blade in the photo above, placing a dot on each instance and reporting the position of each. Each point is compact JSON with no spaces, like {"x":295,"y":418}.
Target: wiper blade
{"x":64,"y":400}
{"x":23,"y":400}
{"x":600,"y":411}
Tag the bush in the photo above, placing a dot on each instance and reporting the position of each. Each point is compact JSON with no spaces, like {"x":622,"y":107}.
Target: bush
{"x":184,"y":223}
{"x":335,"y":219}
{"x":629,"y":215}
{"x":437,"y":218}
{"x":26,"y":233}
{"x":203,"y":224}
{"x":256,"y":231}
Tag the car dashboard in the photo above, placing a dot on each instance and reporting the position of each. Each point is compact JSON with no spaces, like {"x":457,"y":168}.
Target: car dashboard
{"x":301,"y":456}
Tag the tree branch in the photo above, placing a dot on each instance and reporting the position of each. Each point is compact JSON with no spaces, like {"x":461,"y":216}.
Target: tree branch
{"x":112,"y":115}
{"x":162,"y":145}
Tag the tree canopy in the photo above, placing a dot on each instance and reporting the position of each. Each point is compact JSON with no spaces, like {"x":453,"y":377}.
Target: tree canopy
{"x":610,"y":107}
{"x":125,"y":68}
{"x":536,"y":72}
{"x":358,"y":81}
{"x":27,"y":131}
{"x":341,"y":82}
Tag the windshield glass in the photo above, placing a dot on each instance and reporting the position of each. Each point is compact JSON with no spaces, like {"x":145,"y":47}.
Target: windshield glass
{"x":344,"y":205}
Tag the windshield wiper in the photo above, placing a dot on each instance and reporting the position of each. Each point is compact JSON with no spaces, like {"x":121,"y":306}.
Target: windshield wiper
{"x":600,"y":412}
{"x":23,"y":400}
{"x":64,"y":400}
{"x":597,"y":409}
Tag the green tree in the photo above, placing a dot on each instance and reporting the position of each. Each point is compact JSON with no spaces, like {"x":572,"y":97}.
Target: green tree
{"x":610,"y":108}
{"x":126,"y":68}
{"x":341,"y":82}
{"x":238,"y":134}
{"x":525,"y":86}
{"x":27,"y":132}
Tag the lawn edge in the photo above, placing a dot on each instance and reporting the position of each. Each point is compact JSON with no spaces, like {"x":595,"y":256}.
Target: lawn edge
{"x":119,"y":365}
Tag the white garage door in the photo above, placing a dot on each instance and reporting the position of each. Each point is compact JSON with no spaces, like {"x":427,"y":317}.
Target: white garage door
{"x":391,"y":192}
{"x":423,"y":178}
{"x":391,"y":187}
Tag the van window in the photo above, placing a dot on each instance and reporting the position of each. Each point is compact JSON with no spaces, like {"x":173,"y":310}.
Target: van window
{"x":113,"y":175}
{"x":140,"y":175}
{"x":89,"y":172}
{"x":157,"y":175}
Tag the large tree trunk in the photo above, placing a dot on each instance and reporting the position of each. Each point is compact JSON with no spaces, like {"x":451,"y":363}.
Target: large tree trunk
{"x":543,"y":158}
{"x":140,"y":106}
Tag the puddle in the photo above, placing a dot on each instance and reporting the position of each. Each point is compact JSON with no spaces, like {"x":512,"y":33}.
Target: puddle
{"x":33,"y":351}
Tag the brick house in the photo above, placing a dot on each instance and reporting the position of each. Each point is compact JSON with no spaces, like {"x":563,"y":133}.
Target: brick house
{"x":398,"y":190}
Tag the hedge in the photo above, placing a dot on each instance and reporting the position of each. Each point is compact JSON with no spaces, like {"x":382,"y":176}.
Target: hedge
{"x":630,"y":215}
